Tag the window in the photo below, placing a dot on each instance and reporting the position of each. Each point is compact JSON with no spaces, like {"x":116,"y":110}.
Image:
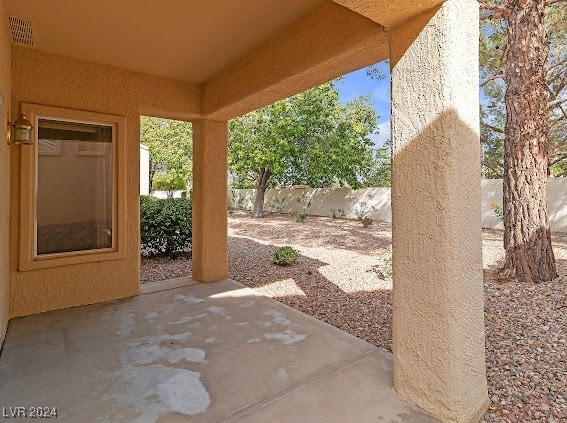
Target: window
{"x":74,"y":187}
{"x":72,"y":194}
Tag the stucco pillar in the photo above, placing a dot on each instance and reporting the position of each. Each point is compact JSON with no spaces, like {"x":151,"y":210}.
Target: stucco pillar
{"x":210,"y":148}
{"x":438,"y":331}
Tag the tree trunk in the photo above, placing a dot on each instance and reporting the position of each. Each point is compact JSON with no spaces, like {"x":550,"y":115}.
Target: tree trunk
{"x":258,"y":210}
{"x":151,"y":174}
{"x":527,"y":237}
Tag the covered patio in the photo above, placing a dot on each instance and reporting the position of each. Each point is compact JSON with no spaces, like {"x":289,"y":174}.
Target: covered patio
{"x":216,"y":352}
{"x":84,"y":72}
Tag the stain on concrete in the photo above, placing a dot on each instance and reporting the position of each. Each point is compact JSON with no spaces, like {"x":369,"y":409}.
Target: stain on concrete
{"x":189,"y":299}
{"x":156,"y":339}
{"x":288,"y":337}
{"x":147,"y":354}
{"x":277,"y":317}
{"x":187,"y":319}
{"x":217,"y":310}
{"x":281,"y":373}
{"x":151,"y":316}
{"x":246,"y":304}
{"x":149,"y":391}
{"x":126,"y":324}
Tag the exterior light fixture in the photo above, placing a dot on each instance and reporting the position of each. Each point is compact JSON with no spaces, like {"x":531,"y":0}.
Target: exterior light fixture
{"x":20,"y":132}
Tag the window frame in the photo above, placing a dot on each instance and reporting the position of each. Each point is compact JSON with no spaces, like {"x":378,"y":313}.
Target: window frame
{"x":28,"y":257}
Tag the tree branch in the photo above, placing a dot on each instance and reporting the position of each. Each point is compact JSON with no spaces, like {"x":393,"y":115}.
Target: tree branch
{"x":560,"y":86}
{"x":493,"y":11}
{"x":496,"y":171}
{"x":554,"y":67}
{"x":555,"y":103}
{"x":493,"y":128}
{"x":557,"y":159}
{"x":559,"y":104}
{"x":551,"y":2}
{"x":492,"y":78}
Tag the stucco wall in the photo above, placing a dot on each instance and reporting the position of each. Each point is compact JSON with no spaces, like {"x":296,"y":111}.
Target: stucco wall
{"x":64,"y":82}
{"x":556,"y":203}
{"x":375,"y":202}
{"x":342,"y":202}
{"x":5,"y":95}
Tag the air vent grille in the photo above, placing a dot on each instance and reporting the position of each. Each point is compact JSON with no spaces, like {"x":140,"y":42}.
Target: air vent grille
{"x":22,"y":30}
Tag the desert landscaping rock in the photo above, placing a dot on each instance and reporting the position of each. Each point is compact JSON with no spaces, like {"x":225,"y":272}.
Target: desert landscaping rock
{"x":339,"y":279}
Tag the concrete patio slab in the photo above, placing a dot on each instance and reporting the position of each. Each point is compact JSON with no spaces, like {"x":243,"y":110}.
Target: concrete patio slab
{"x":205,"y":353}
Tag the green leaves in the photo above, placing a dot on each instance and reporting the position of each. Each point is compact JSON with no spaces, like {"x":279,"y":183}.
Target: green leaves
{"x":165,"y":226}
{"x":285,"y":256}
{"x":171,"y":151}
{"x":308,"y":139}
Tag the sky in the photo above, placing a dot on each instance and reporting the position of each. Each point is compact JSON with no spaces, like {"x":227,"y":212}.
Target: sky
{"x":358,"y":83}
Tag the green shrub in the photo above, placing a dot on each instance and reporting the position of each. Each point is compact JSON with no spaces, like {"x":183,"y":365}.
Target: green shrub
{"x":337,"y":213}
{"x":165,"y":226}
{"x":497,"y":211}
{"x":302,"y":217}
{"x":285,"y":256}
{"x":366,"y":221}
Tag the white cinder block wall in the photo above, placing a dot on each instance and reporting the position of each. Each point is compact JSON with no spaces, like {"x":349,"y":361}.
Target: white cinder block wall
{"x":375,"y":202}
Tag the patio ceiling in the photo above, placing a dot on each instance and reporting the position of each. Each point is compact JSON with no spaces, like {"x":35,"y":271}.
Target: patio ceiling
{"x":188,"y":40}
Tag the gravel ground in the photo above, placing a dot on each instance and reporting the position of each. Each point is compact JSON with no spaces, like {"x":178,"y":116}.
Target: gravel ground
{"x":339,"y":280}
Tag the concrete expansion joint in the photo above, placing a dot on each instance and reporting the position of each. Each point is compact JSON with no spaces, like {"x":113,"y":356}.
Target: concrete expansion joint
{"x":329,"y":370}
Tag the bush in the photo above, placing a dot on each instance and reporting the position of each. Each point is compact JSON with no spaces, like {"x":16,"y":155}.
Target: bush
{"x":302,"y":217}
{"x":165,"y":226}
{"x":285,"y":256}
{"x":497,"y":211}
{"x":366,"y":221}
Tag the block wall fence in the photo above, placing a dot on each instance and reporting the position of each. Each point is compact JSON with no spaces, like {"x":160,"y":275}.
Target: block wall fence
{"x":375,"y":202}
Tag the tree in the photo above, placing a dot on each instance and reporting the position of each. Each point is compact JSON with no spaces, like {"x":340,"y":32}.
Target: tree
{"x":309,"y":139}
{"x":493,"y":49}
{"x":527,"y":237}
{"x":171,"y":152}
{"x":381,"y":173}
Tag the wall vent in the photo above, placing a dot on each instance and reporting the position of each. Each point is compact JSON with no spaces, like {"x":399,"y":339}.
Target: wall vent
{"x":22,"y":30}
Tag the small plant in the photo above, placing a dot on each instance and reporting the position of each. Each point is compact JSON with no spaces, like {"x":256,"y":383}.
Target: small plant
{"x":243,"y":203}
{"x":497,"y":211}
{"x":302,"y":217}
{"x":388,"y":261}
{"x":362,"y":208}
{"x":231,"y":200}
{"x":305,"y":201}
{"x":285,"y":256}
{"x":337,"y":213}
{"x":366,"y":221}
{"x":278,"y":204}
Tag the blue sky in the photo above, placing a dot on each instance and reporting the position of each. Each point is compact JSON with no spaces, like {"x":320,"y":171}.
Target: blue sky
{"x":358,"y":83}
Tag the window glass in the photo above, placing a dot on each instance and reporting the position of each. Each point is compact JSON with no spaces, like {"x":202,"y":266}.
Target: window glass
{"x":74,"y":187}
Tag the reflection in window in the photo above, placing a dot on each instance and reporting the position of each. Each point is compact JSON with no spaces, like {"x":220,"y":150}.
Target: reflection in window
{"x":74,"y":187}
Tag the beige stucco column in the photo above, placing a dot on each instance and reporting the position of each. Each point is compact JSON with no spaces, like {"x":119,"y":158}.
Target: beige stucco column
{"x":210,"y":147}
{"x":438,"y":333}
